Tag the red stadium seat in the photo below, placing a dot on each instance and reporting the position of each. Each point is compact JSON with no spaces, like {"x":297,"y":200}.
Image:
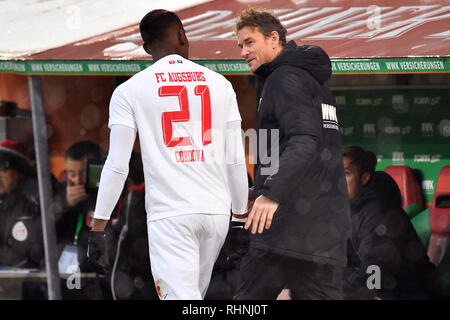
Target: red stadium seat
{"x":440,"y":218}
{"x":412,"y":201}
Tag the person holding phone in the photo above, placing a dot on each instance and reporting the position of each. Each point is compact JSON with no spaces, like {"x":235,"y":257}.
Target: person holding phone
{"x":73,"y":220}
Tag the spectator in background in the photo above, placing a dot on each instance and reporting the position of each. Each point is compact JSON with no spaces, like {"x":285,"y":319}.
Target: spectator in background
{"x":21,"y":242}
{"x":383,"y":237}
{"x":73,"y":221}
{"x":31,"y":187}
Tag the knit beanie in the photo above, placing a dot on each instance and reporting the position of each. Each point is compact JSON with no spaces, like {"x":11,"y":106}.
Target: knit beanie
{"x":15,"y":155}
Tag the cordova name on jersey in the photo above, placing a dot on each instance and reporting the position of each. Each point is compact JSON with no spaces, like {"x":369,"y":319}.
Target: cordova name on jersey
{"x":179,"y":76}
{"x":189,"y":155}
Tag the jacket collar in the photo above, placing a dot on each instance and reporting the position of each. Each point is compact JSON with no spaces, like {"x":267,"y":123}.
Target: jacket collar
{"x":265,"y":69}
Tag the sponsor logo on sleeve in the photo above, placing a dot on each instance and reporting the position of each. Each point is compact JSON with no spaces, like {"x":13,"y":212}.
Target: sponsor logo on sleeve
{"x":329,"y":117}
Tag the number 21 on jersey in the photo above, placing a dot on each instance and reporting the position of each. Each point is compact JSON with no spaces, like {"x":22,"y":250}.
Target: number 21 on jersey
{"x":183,"y":115}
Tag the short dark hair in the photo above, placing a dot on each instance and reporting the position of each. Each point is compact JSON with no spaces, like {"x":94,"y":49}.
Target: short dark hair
{"x":154,"y":24}
{"x":264,"y":20}
{"x":364,"y":160}
{"x":85,"y":149}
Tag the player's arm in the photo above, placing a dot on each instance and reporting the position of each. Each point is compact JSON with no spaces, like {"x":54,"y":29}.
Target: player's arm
{"x":114,"y":173}
{"x":236,"y":168}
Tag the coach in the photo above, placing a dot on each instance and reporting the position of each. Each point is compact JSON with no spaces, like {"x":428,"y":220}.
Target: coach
{"x":300,"y":221}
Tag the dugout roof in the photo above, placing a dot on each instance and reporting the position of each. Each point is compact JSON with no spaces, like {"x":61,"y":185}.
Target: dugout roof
{"x":360,"y":36}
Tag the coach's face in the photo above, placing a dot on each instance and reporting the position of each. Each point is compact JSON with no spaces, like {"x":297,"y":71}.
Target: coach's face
{"x":257,"y":49}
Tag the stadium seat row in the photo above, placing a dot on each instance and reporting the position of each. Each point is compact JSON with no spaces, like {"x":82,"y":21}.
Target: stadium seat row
{"x":432,"y":224}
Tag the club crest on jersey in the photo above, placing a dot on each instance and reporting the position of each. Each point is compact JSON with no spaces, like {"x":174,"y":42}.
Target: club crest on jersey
{"x":160,"y":290}
{"x":171,"y":61}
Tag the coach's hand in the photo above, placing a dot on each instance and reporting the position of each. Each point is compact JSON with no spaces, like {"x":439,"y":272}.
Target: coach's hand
{"x":96,"y":252}
{"x":261,"y":214}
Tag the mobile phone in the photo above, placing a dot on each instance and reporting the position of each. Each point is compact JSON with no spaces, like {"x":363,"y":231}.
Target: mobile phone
{"x":93,"y":172}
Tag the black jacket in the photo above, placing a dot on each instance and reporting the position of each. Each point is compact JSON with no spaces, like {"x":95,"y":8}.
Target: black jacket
{"x":133,"y":269}
{"x":21,"y":241}
{"x":66,"y":224}
{"x":313,"y":219}
{"x":384,"y":236}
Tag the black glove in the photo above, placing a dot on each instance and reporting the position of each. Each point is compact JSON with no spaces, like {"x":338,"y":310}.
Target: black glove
{"x":96,"y":252}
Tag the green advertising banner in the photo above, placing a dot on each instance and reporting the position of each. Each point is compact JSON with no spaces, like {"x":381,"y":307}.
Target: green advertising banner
{"x":402,"y":127}
{"x":398,"y":65}
{"x":121,"y":67}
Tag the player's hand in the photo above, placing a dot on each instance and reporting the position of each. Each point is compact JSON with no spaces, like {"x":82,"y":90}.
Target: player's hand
{"x":74,"y":194}
{"x":261,"y":215}
{"x":96,"y":252}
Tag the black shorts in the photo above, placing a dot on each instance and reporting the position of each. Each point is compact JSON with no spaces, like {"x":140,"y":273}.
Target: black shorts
{"x":263,"y":275}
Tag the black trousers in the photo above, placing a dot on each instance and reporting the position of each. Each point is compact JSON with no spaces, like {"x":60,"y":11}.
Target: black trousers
{"x":263,"y":275}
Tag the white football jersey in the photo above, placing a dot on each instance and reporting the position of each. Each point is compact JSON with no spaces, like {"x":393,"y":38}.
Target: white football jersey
{"x":180,"y":110}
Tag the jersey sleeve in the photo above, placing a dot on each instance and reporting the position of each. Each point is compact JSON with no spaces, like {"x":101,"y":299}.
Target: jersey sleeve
{"x":121,"y":111}
{"x":233,"y":110}
{"x":236,"y":168}
{"x":115,"y":170}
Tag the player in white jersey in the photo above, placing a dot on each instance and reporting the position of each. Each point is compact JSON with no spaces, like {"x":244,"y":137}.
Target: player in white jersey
{"x":194,"y":164}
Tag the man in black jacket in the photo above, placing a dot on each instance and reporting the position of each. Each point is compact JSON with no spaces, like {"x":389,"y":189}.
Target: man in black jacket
{"x":391,"y":262}
{"x":74,"y":219}
{"x":300,"y":220}
{"x":21,"y":242}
